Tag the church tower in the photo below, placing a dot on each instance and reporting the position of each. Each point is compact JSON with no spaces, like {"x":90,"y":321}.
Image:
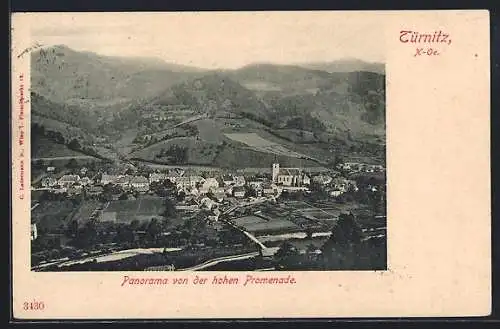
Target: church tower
{"x":275,"y":171}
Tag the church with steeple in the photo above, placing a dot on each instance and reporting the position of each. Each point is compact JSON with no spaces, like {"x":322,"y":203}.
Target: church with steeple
{"x":293,"y":177}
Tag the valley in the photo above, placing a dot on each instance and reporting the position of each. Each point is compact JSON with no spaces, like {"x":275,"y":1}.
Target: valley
{"x":146,"y":110}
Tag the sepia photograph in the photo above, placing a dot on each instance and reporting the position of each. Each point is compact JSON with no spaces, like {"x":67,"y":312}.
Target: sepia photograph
{"x":157,"y":151}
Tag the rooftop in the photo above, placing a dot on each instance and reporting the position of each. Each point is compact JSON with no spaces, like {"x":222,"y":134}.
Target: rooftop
{"x":138,"y":180}
{"x":69,"y":178}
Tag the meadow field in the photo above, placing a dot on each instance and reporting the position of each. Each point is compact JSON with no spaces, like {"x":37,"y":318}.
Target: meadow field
{"x":128,"y":210}
{"x":257,"y":143}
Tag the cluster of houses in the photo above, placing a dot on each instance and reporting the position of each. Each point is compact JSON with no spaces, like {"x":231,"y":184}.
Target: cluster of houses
{"x":217,"y":185}
{"x":361,"y":167}
{"x":127,"y":182}
{"x":71,"y":184}
{"x":175,"y":112}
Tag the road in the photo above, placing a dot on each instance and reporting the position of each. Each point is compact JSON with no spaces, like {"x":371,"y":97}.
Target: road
{"x":192,"y":119}
{"x":224,"y":259}
{"x":184,"y":167}
{"x":248,"y":234}
{"x":253,"y":238}
{"x":64,"y":158}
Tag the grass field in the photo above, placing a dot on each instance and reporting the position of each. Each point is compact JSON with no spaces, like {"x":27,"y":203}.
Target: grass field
{"x":199,"y":151}
{"x":248,"y":220}
{"x":127,"y":210}
{"x":257,"y":143}
{"x":140,"y":206}
{"x":69,"y":132}
{"x":320,"y":214}
{"x":272,"y":225}
{"x":256,"y":224}
{"x":210,"y":131}
{"x":42,"y":147}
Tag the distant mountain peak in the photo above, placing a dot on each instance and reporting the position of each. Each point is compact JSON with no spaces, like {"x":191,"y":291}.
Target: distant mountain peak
{"x":348,"y":64}
{"x":146,"y":62}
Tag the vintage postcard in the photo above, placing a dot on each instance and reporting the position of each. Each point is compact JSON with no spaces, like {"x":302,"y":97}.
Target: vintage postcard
{"x":217,"y":165}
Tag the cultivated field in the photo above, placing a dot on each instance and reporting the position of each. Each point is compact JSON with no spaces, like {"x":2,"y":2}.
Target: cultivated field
{"x":128,"y":210}
{"x":87,"y":209}
{"x":257,"y":224}
{"x":247,"y":220}
{"x":272,"y":225}
{"x":321,"y":214}
{"x":260,"y":144}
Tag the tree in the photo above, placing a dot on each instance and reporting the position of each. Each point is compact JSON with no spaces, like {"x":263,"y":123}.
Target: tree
{"x":58,"y":137}
{"x":106,"y":196}
{"x":170,"y":210}
{"x":74,"y":144}
{"x":346,"y":232}
{"x":309,"y":231}
{"x":124,"y":234}
{"x":134,"y":225}
{"x":153,"y":230}
{"x":339,"y":160}
{"x":168,"y":184}
{"x":129,"y":171}
{"x":72,"y":164}
{"x":87,"y":236}
{"x":250,"y":192}
{"x":286,"y":250}
{"x":181,"y":196}
{"x":73,"y":229}
{"x":38,"y":164}
{"x":311,"y":248}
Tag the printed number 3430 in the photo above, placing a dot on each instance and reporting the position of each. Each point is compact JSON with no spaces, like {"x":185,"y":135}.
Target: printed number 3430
{"x":33,"y":306}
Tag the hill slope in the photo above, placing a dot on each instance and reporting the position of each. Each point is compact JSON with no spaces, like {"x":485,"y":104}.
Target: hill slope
{"x":212,"y":93}
{"x":312,"y":110}
{"x":64,"y":75}
{"x":279,"y":78}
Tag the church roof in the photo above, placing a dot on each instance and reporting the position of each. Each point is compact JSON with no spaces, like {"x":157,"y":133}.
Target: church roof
{"x":289,"y":171}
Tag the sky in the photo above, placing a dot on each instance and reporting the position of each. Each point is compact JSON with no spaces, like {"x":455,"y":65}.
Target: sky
{"x":218,"y":39}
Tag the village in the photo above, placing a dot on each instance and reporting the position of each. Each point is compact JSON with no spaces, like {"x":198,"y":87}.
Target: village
{"x":90,"y":183}
{"x":196,"y":208}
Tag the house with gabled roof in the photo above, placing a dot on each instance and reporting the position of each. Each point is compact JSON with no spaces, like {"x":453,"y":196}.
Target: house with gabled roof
{"x":139,"y":183}
{"x":189,"y":181}
{"x":95,"y":190}
{"x":174,"y":174}
{"x":227,"y":180}
{"x":157,"y":177}
{"x":109,"y":179}
{"x":123,"y":181}
{"x":239,"y":192}
{"x":68,"y":180}
{"x":239,"y":180}
{"x":209,"y":185}
{"x":49,"y":182}
{"x":322,"y":179}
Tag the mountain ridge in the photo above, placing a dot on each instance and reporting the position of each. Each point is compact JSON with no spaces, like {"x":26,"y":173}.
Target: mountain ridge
{"x":106,"y":96}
